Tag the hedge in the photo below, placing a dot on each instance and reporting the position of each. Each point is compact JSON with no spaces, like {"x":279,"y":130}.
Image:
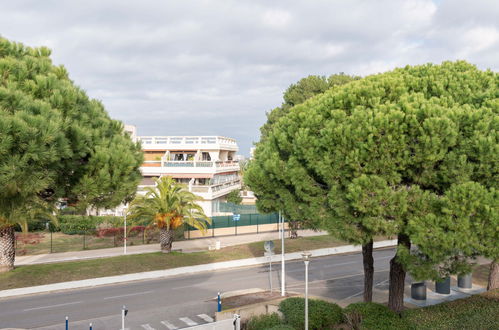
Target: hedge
{"x":374,"y":316}
{"x":476,"y":312}
{"x":79,"y":224}
{"x":321,"y":314}
{"x":265,"y":321}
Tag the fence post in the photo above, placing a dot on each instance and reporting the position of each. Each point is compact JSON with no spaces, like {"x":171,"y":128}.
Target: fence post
{"x":83,"y":240}
{"x":257,"y":221}
{"x":144,"y":235}
{"x":50,"y":241}
{"x":235,"y":225}
{"x":212,"y":227}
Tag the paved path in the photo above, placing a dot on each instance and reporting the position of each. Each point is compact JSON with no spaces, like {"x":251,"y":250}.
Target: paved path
{"x":200,"y":244}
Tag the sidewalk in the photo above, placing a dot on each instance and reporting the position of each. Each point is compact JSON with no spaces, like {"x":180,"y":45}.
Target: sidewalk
{"x":199,"y":244}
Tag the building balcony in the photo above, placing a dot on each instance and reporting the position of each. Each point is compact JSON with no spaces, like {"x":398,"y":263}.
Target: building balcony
{"x":207,"y":192}
{"x":158,"y":167}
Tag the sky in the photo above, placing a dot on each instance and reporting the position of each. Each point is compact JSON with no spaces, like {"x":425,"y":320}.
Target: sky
{"x":216,"y":67}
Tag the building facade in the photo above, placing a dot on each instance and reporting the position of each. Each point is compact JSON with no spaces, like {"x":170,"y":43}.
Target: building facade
{"x":205,"y":164}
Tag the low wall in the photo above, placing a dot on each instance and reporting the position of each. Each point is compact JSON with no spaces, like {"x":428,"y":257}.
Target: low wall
{"x":255,"y":229}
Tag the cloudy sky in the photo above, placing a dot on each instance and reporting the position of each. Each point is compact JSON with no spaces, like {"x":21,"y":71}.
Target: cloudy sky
{"x":215,"y":67}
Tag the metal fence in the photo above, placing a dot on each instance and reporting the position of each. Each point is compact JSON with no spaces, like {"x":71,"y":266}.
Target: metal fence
{"x":238,"y":209}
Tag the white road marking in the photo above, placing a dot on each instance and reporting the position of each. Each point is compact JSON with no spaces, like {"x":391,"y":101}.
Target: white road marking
{"x":128,"y":295}
{"x":187,"y":321}
{"x":147,"y":326}
{"x":360,"y":292}
{"x":59,"y":305}
{"x":206,"y":318}
{"x":169,"y":325}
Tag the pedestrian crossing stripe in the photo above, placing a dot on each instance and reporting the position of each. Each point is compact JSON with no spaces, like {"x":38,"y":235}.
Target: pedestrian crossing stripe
{"x":205,"y":317}
{"x":169,"y":325}
{"x":147,"y":326}
{"x":187,"y":321}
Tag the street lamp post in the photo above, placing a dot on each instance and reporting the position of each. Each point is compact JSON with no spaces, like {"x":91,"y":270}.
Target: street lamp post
{"x":283,"y":265}
{"x":124,"y":232}
{"x":306,"y":260}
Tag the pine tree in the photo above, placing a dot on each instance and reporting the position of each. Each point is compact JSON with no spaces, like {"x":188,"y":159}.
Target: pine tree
{"x":55,"y":142}
{"x":371,"y":156}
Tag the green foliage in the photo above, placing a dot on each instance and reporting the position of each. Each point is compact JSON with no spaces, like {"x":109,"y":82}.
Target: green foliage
{"x":168,"y":205}
{"x":302,"y":91}
{"x":55,"y":142}
{"x":264,"y":321}
{"x":375,"y":316}
{"x":79,"y":224}
{"x":234,"y":197}
{"x":476,"y":312}
{"x":376,"y":155}
{"x":321,"y":314}
{"x":281,"y":327}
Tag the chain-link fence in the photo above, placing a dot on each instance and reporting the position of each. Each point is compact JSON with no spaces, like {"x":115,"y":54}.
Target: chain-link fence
{"x":84,"y":234}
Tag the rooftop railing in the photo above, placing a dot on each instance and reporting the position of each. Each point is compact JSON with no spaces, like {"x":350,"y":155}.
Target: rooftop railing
{"x":186,"y":140}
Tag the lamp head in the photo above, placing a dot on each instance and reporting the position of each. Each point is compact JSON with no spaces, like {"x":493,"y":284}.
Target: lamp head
{"x":306,"y":255}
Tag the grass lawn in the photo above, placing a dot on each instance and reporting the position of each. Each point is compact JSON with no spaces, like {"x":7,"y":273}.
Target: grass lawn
{"x":476,"y":312}
{"x":32,"y":275}
{"x":63,"y":243}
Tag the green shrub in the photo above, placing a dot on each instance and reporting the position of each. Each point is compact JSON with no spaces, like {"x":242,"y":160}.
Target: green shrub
{"x":373,"y":316}
{"x":476,"y":312}
{"x":281,"y":327}
{"x":79,"y":224}
{"x":321,"y":314}
{"x":265,"y":321}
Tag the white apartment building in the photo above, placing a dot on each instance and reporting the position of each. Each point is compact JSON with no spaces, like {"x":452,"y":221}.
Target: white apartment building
{"x":205,"y":164}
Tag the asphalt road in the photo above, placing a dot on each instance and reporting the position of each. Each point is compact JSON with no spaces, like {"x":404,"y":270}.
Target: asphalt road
{"x":177,"y":302}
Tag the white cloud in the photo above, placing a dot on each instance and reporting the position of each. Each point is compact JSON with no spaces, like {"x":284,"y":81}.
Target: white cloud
{"x":276,"y":18}
{"x":216,"y":66}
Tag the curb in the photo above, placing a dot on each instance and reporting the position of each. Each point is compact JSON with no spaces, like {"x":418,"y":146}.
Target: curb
{"x":183,"y":270}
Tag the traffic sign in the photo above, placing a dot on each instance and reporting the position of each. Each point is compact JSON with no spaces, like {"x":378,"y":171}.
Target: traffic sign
{"x":268,"y":246}
{"x":236,"y":217}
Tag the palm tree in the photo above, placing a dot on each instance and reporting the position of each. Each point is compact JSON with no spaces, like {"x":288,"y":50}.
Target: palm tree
{"x":33,"y":207}
{"x":168,"y":206}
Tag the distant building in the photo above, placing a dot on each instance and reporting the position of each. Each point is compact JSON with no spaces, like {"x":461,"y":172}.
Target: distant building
{"x":205,"y":164}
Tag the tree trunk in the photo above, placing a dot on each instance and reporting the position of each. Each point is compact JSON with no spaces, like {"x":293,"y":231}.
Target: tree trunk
{"x":368,"y":260}
{"x":397,"y":278}
{"x":493,"y":282}
{"x":293,"y":229}
{"x":166,"y":240}
{"x":7,"y":248}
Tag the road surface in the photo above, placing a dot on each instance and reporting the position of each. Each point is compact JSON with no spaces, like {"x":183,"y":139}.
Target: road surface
{"x":182,"y":301}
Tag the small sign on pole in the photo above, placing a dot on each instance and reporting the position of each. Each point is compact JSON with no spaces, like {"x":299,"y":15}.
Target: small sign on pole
{"x":236,"y":217}
{"x":269,"y":248}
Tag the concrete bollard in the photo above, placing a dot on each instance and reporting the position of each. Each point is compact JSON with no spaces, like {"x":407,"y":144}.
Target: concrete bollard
{"x":464,"y":281}
{"x":217,"y":245}
{"x":443,"y":286}
{"x":418,"y":291}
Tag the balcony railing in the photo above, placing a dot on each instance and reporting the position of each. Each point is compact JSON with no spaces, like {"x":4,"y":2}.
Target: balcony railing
{"x":178,"y":163}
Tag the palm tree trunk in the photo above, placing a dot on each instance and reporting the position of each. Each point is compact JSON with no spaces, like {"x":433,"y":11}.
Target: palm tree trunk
{"x":368,"y":261}
{"x":397,"y":278}
{"x":166,"y":240}
{"x":493,"y":282}
{"x":7,"y":248}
